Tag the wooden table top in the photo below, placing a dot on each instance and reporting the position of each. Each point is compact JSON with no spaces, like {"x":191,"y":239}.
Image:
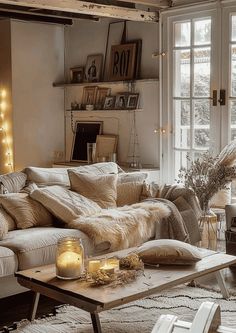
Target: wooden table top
{"x":80,"y":293}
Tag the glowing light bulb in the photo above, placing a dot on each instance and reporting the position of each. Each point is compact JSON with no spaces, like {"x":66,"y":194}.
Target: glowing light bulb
{"x":3,"y":93}
{"x":3,"y":105}
{"x":4,"y":141}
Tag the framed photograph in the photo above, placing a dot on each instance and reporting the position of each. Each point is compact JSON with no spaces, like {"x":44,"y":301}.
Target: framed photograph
{"x":122,"y":62}
{"x":86,"y":132}
{"x":93,"y":68}
{"x":121,"y":101}
{"x":77,"y":74}
{"x":101,"y":95}
{"x":105,"y":145}
{"x":89,"y":95}
{"x":109,"y":103}
{"x":132,"y":101}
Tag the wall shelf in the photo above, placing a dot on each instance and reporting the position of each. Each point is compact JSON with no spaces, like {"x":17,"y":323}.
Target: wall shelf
{"x":83,"y":84}
{"x":113,"y":110}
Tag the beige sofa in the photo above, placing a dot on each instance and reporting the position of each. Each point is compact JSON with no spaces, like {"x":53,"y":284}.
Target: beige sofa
{"x":35,"y":246}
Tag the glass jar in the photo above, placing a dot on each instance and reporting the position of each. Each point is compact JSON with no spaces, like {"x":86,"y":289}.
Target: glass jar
{"x":70,"y":258}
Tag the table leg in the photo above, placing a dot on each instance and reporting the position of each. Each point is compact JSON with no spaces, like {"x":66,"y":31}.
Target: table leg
{"x":221,"y":282}
{"x":96,"y":322}
{"x":34,"y":306}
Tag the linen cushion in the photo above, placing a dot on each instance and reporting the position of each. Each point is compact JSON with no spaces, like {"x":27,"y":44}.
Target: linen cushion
{"x":66,"y":205}
{"x":47,"y":176}
{"x":37,"y":246}
{"x":25,"y":211}
{"x":6,"y":223}
{"x":169,"y":252}
{"x":12,"y":182}
{"x":129,"y":188}
{"x":101,"y":189}
{"x":103,"y":168}
{"x":8,"y":262}
{"x":190,"y":219}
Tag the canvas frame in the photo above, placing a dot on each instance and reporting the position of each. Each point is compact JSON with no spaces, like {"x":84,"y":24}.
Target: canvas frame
{"x":93,"y":68}
{"x":79,"y":144}
{"x":105,"y":145}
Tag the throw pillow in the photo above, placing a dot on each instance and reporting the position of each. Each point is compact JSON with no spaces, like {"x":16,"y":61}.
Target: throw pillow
{"x":66,"y":205}
{"x":12,"y":182}
{"x":101,"y":189}
{"x":5,"y":220}
{"x":168,"y":252}
{"x":103,"y":168}
{"x":190,"y":219}
{"x":25,"y":211}
{"x":129,"y":188}
{"x":47,"y":176}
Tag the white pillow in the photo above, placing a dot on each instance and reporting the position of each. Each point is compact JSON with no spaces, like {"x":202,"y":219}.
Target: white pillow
{"x":129,"y":188}
{"x":47,"y":176}
{"x":25,"y":211}
{"x":169,"y":252}
{"x":101,"y":189}
{"x":12,"y":182}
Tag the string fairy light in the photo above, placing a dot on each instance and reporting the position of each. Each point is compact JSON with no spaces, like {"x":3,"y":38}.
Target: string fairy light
{"x":6,"y":140}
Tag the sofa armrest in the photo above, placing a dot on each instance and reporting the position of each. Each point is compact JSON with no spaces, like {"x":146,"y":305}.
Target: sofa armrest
{"x":230,"y":212}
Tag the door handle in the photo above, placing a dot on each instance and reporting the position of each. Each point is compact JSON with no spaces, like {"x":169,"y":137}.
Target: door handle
{"x":221,"y":100}
{"x":214,"y":98}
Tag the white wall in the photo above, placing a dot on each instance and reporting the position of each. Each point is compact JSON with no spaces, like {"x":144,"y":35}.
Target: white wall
{"x":85,"y":38}
{"x":38,"y":108}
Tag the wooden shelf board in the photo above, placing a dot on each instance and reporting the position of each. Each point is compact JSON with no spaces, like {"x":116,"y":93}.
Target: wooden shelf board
{"x":83,"y":84}
{"x":113,"y":110}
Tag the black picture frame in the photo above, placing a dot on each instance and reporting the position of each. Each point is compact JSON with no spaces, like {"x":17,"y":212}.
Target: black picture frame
{"x":85,"y":132}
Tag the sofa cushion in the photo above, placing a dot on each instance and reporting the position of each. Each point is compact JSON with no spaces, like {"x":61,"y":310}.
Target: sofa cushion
{"x":37,"y":246}
{"x":66,"y":205}
{"x":25,"y":211}
{"x":5,"y":221}
{"x":8,"y":261}
{"x":12,"y":182}
{"x":129,"y":188}
{"x":102,"y":189}
{"x":58,"y":176}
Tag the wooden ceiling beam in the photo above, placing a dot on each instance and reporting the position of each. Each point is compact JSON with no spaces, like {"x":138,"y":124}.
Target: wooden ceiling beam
{"x":160,"y":4}
{"x":88,"y":8}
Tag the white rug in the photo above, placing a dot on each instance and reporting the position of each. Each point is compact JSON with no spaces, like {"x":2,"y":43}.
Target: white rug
{"x":139,"y":316}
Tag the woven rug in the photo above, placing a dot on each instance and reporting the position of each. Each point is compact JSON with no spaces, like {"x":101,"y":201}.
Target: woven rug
{"x":139,"y":316}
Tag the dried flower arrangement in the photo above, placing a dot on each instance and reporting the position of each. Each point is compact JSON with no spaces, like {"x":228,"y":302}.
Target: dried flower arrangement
{"x":207,"y":175}
{"x":130,"y":266}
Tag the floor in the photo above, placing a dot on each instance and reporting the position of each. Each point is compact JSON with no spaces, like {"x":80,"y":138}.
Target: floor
{"x":16,"y":307}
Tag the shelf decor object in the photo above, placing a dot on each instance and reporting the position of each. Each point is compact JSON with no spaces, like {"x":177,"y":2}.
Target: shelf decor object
{"x":134,"y":155}
{"x":93,"y":68}
{"x":122,"y":62}
{"x":77,"y":74}
{"x":70,"y":258}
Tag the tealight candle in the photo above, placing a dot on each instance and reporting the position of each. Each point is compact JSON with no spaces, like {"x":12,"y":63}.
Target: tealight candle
{"x":107,"y":268}
{"x":94,"y":266}
{"x":115,"y":263}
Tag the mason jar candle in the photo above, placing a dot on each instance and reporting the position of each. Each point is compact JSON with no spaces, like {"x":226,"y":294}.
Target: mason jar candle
{"x":70,"y":258}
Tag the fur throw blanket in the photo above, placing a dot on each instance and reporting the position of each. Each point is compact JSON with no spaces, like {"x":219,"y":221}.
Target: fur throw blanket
{"x":122,"y":227}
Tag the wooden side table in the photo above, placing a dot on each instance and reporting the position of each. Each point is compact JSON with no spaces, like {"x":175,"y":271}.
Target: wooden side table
{"x":208,"y":227}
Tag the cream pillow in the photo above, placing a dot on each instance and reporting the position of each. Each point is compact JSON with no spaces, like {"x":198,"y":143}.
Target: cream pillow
{"x":25,"y":211}
{"x":129,"y":188}
{"x":5,"y":220}
{"x":12,"y":182}
{"x":101,"y":189}
{"x":66,"y":205}
{"x":168,"y":252}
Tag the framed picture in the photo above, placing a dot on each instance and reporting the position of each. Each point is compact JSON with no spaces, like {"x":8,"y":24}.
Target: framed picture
{"x":89,"y":95}
{"x":86,"y":132}
{"x":105,"y":145}
{"x":109,"y":103}
{"x":122,"y":62}
{"x":121,"y":101}
{"x":132,"y":101}
{"x":101,"y":96}
{"x":77,"y":74}
{"x":93,"y":68}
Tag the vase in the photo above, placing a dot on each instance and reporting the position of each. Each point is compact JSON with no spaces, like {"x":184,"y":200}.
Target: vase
{"x":208,"y":228}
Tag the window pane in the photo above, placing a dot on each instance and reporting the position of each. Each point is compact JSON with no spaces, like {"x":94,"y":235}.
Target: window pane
{"x":181,"y":161}
{"x":201,"y":123}
{"x":233,"y":70}
{"x":182,"y":124}
{"x":182,"y":34}
{"x":233,"y":35}
{"x":182,"y":73}
{"x":233,"y":119}
{"x":202,"y":32}
{"x":202,"y":72}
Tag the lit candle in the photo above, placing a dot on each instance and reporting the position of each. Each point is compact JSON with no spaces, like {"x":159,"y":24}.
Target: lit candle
{"x":94,"y":266}
{"x":107,"y":268}
{"x":69,"y":265}
{"x":115,"y":263}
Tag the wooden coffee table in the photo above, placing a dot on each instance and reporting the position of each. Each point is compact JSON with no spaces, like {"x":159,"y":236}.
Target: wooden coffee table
{"x":43,"y":280}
